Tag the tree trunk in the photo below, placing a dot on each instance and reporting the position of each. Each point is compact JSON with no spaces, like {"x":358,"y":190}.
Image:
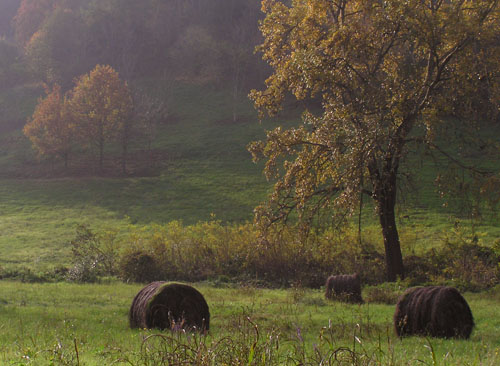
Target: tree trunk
{"x":235,"y":94}
{"x":393,"y":256}
{"x":384,"y":194}
{"x":124,"y":158}
{"x":101,"y":155}
{"x":150,"y":150}
{"x":126,"y":133}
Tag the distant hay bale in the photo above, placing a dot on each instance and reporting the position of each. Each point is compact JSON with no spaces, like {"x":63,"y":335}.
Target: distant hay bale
{"x":436,"y":311}
{"x":344,"y":287}
{"x":169,"y":306}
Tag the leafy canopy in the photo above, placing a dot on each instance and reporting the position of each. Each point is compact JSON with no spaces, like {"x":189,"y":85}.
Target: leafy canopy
{"x":50,"y":128}
{"x":96,"y":111}
{"x":100,"y":103}
{"x":383,"y":73}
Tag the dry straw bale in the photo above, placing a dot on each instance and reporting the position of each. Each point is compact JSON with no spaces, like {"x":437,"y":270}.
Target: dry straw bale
{"x":344,"y":287}
{"x":437,"y":311}
{"x":169,"y":306}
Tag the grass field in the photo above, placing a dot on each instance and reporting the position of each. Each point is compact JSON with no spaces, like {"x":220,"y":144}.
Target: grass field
{"x":49,"y":324}
{"x":205,"y":172}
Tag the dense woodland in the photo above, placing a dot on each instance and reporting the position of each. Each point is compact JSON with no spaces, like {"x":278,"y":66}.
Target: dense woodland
{"x":55,"y":41}
{"x":196,"y":40}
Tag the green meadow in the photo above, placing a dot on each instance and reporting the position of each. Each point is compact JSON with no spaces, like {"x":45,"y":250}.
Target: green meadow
{"x":71,"y":324}
{"x":205,"y":174}
{"x":79,"y":241}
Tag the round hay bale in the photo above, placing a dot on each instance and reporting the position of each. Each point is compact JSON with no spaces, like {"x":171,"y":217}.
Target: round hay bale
{"x":436,"y":311}
{"x":344,"y":287}
{"x":169,"y":306}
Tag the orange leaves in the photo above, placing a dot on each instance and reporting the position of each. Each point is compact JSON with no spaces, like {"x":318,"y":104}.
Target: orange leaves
{"x":30,"y":15}
{"x":380,"y":69}
{"x":100,"y":102}
{"x":102,"y":105}
{"x":50,"y":129}
{"x":93,"y":113}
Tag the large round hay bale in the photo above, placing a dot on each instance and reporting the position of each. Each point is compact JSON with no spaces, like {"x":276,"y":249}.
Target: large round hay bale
{"x":344,"y":287}
{"x":436,"y":311}
{"x":169,"y":306}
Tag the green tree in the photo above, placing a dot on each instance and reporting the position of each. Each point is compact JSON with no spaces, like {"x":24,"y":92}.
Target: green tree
{"x":101,"y":106}
{"x":385,"y":72}
{"x":29,"y":17}
{"x":58,"y":51}
{"x":50,"y":128}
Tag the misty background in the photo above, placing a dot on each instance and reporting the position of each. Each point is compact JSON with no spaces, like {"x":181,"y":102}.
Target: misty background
{"x":152,"y":42}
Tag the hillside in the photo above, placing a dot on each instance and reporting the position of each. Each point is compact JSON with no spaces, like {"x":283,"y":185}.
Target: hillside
{"x":202,"y":65}
{"x":203,"y":172}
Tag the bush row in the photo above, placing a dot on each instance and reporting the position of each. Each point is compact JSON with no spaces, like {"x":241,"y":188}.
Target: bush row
{"x":236,"y":253}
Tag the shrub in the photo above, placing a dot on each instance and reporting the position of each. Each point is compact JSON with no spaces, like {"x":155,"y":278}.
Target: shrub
{"x":25,"y":274}
{"x":209,"y":250}
{"x":138,"y":266}
{"x":467,"y":264}
{"x":386,"y":293}
{"x":420,"y":269}
{"x":83,"y":271}
{"x":284,"y":257}
{"x":93,"y":255}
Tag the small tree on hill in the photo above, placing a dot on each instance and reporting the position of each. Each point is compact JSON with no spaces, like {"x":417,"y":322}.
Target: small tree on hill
{"x":383,"y":70}
{"x":101,"y":106}
{"x":50,"y":128}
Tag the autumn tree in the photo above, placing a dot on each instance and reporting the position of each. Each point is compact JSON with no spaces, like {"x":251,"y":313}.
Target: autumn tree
{"x":29,"y":17}
{"x":385,"y":72}
{"x":50,"y":128}
{"x":118,"y":34}
{"x":57,"y":51}
{"x":101,"y":105}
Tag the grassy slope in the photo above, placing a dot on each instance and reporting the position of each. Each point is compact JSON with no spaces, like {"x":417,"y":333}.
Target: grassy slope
{"x":42,"y":322}
{"x":206,"y":170}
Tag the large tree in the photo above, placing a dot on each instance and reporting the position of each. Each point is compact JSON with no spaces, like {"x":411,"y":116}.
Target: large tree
{"x":380,"y":72}
{"x":101,"y":105}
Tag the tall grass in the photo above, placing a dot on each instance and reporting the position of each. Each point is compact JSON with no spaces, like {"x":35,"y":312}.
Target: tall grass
{"x":69,"y":324}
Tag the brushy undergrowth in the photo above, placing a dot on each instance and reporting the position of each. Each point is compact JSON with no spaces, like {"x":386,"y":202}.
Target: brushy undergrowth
{"x":236,"y":253}
{"x":248,"y":345}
